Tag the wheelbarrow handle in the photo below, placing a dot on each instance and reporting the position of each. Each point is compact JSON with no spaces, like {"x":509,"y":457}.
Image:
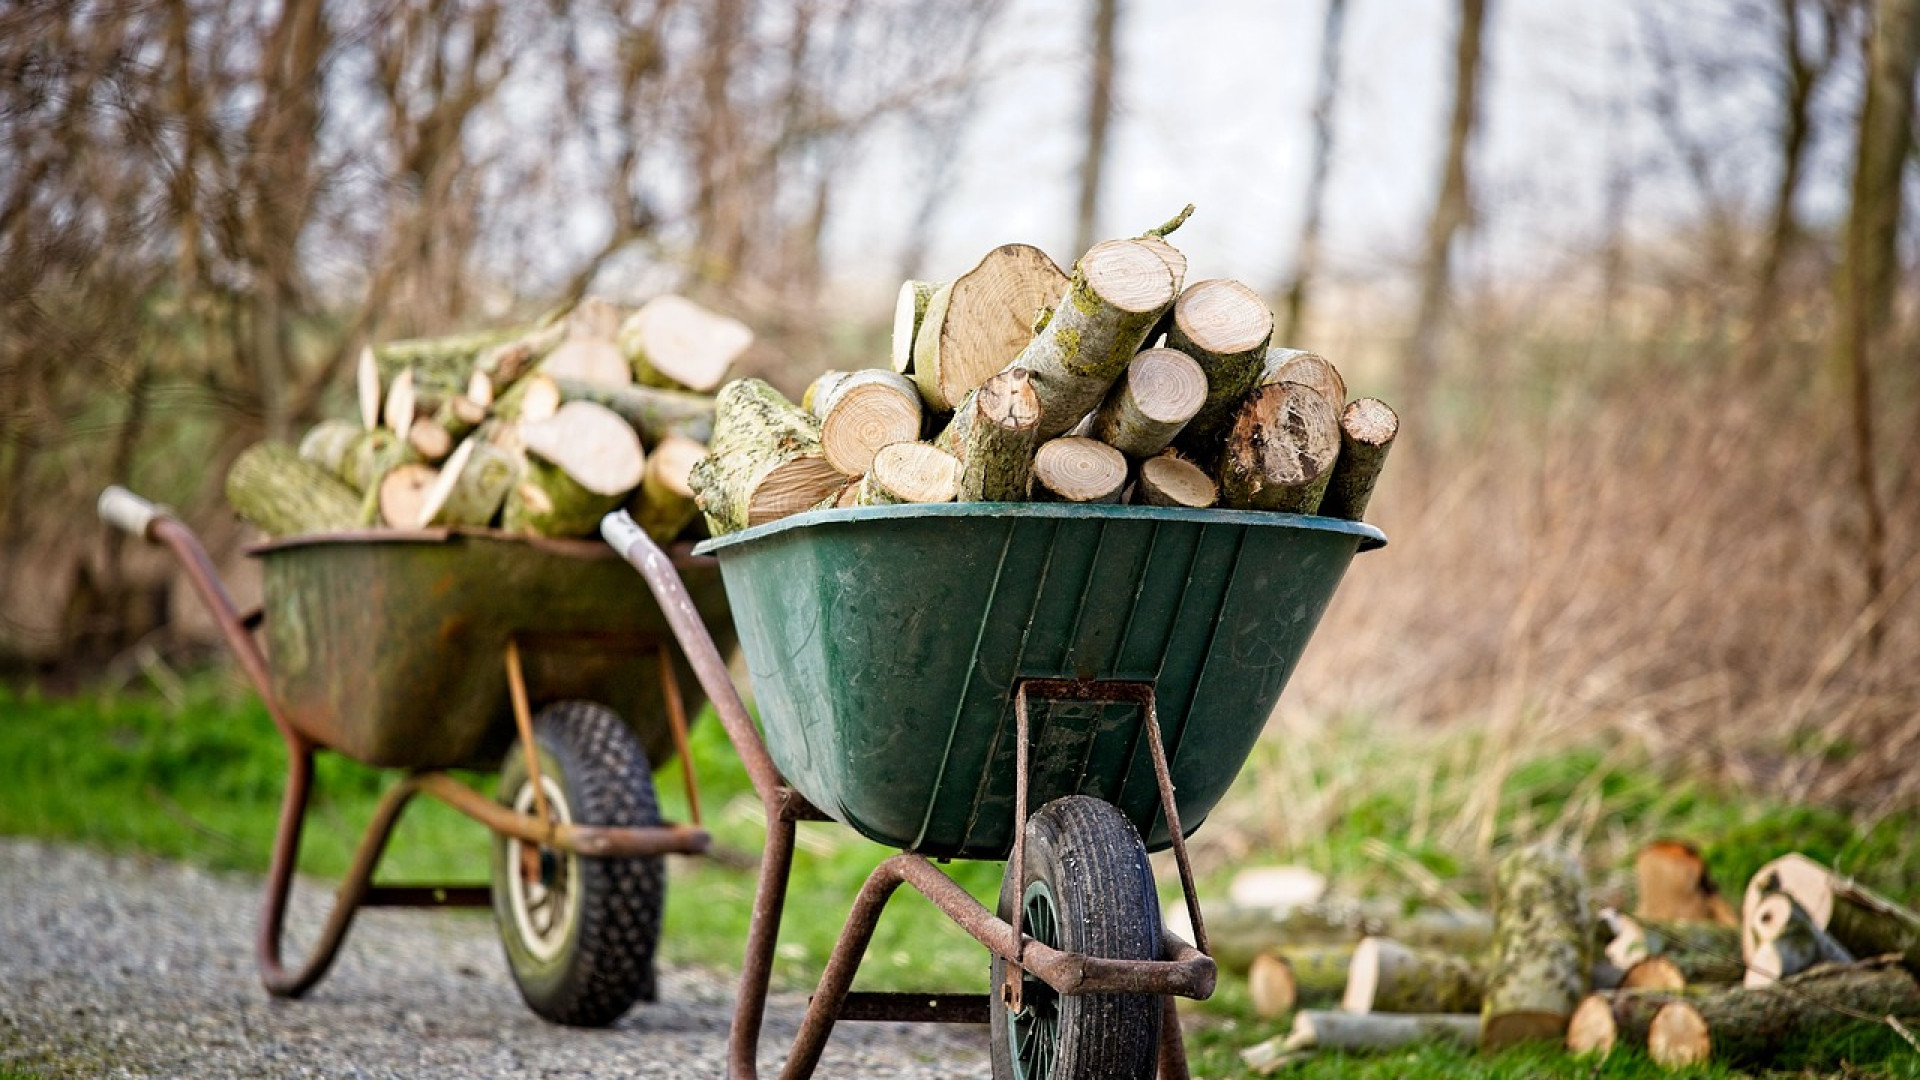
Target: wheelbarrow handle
{"x":128,"y":512}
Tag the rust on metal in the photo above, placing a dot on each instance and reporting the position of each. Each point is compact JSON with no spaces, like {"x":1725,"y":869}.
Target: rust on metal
{"x":677,"y":721}
{"x":523,"y":723}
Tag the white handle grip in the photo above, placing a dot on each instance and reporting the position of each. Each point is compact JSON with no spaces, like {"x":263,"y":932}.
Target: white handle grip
{"x":620,"y":530}
{"x":126,"y":511}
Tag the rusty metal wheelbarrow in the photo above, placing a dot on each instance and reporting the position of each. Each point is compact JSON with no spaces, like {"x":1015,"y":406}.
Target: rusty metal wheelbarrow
{"x":929,"y":675}
{"x":439,"y":649}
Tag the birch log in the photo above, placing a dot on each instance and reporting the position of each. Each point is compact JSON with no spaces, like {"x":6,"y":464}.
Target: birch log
{"x":909,"y":312}
{"x":673,"y":342}
{"x":1367,"y":430}
{"x":1279,"y":453}
{"x":271,"y":488}
{"x":764,"y":463}
{"x":1224,"y":326}
{"x":909,"y":472}
{"x":1171,"y":480}
{"x":994,"y":434}
{"x":1149,"y":404}
{"x":1537,"y":971}
{"x":1863,"y":921}
{"x":1118,"y":291}
{"x":1078,"y":470}
{"x":1386,"y":976}
{"x":653,"y":413}
{"x":976,"y":324}
{"x":862,"y":411}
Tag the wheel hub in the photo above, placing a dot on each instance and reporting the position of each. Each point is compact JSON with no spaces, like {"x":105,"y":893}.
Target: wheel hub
{"x":1035,"y":1029}
{"x":541,"y":889}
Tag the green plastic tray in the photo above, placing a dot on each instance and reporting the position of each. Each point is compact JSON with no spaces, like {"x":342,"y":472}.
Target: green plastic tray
{"x":884,"y":644}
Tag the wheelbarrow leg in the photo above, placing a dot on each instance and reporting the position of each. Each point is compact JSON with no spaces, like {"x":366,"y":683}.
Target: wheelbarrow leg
{"x":1173,"y":1051}
{"x":763,"y":933}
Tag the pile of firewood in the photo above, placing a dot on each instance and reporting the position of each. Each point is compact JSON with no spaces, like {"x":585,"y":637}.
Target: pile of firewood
{"x":539,"y":430}
{"x":1683,"y":977}
{"x":1016,"y":381}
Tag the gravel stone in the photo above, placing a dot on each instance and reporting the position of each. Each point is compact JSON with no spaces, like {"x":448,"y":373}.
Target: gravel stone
{"x":123,"y":966}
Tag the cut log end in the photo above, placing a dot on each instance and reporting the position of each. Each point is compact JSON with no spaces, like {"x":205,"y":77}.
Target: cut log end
{"x":1271,"y":985}
{"x":1307,"y":369}
{"x":404,"y":493}
{"x":1592,"y":1029}
{"x":1654,"y":973}
{"x":1171,"y":480}
{"x":672,"y":340}
{"x":595,"y":447}
{"x":909,"y":310}
{"x":1223,"y":317}
{"x":1281,"y":450}
{"x":1371,"y":422}
{"x":589,"y":360}
{"x":910,"y":472}
{"x":792,"y":487}
{"x":976,"y":323}
{"x":863,"y":412}
{"x":1127,"y":274}
{"x":1679,"y":1037}
{"x":1079,"y":470}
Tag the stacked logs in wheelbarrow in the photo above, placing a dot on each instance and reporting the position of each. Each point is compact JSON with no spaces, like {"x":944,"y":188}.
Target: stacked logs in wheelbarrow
{"x":539,"y":430}
{"x":1016,"y":381}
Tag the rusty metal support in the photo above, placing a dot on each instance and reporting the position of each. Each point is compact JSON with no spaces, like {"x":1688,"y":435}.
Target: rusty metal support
{"x":593,"y":841}
{"x":523,"y":724}
{"x":913,"y":1008}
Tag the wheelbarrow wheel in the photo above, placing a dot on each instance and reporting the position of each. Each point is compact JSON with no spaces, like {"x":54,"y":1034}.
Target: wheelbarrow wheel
{"x":579,"y":932}
{"x":1087,"y":889}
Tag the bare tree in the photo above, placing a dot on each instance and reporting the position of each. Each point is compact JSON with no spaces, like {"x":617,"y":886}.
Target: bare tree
{"x":1326,"y":91}
{"x":1106,"y":17}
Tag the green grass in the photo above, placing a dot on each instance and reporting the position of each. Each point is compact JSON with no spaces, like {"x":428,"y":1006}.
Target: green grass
{"x":199,"y":779}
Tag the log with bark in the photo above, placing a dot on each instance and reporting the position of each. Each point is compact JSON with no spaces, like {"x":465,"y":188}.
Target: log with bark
{"x":1783,"y":941}
{"x":1237,"y":935}
{"x":1673,"y":885}
{"x":764,"y":462}
{"x":1702,"y":951}
{"x":862,"y":411}
{"x":1316,"y":1029}
{"x":1745,"y":1026}
{"x":1078,"y":470}
{"x":909,"y":472}
{"x":1149,"y":404}
{"x":1171,"y":480}
{"x":1307,"y":369}
{"x":532,"y":399}
{"x":1367,"y":430}
{"x":653,"y":413}
{"x":1280,"y":451}
{"x":403,"y":494}
{"x":675,"y":343}
{"x":1386,"y":976}
{"x":273,"y":489}
{"x":581,"y":463}
{"x":1603,"y":1021}
{"x":974,"y":325}
{"x":472,"y":485}
{"x":1863,"y":921}
{"x":1118,"y":292}
{"x":440,"y":366}
{"x":1538,"y":968}
{"x":994,"y":434}
{"x":1654,"y":973}
{"x":1282,"y":980}
{"x":663,"y":506}
{"x":1224,"y":326}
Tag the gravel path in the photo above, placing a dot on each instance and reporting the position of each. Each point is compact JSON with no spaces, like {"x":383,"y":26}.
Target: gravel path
{"x":120,"y":966}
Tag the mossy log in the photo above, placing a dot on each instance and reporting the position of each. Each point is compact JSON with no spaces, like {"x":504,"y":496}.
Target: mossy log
{"x":909,"y":472}
{"x":1175,"y":259}
{"x":1863,"y":921}
{"x":862,"y":411}
{"x":1603,"y":1021}
{"x":974,"y":325}
{"x":592,"y":443}
{"x":499,"y":367}
{"x":994,"y":434}
{"x":1703,"y":951}
{"x":375,"y":454}
{"x":1149,"y":404}
{"x":764,"y":462}
{"x":1171,"y":480}
{"x":1377,"y":1032}
{"x":1538,"y":968}
{"x":1367,"y":430}
{"x":471,"y":486}
{"x":328,"y":442}
{"x":459,"y":415}
{"x":1386,"y":976}
{"x":271,"y":488}
{"x":1744,"y":1026}
{"x":652,"y":412}
{"x":441,"y":366}
{"x":909,"y":312}
{"x":430,"y":440}
{"x":534,"y":398}
{"x":1078,"y":470}
{"x":1282,"y":980}
{"x":1671,"y":884}
{"x":1118,"y":291}
{"x":545,"y":501}
{"x":1238,"y":934}
{"x":1280,"y":452}
{"x":1307,"y":369}
{"x":1224,"y":326}
{"x":673,"y":342}
{"x":663,"y":505}
{"x":1784,"y":941}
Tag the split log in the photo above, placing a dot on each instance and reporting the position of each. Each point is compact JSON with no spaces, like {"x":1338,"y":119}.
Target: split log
{"x":673,"y":342}
{"x":1078,"y":470}
{"x":1603,"y":1021}
{"x":862,"y":411}
{"x":403,"y":494}
{"x":367,"y":378}
{"x":909,"y":311}
{"x":500,"y":366}
{"x":1367,"y":431}
{"x":471,"y":486}
{"x":1702,"y":951}
{"x":397,"y":412}
{"x":663,"y":506}
{"x":974,"y":325}
{"x":1280,"y":451}
{"x":1282,"y":980}
{"x":994,"y":434}
{"x":531,"y":400}
{"x":1742,"y":1026}
{"x":270,"y":487}
{"x":1388,"y":977}
{"x":909,"y":472}
{"x":581,"y":463}
{"x":1672,"y":881}
{"x":588,"y":360}
{"x":653,"y":413}
{"x":1784,"y":941}
{"x":1224,"y":326}
{"x":1654,"y":973}
{"x":1307,"y":369}
{"x":1863,"y":921}
{"x":1537,"y":970}
{"x":765,"y":460}
{"x":1150,"y":403}
{"x":1324,"y":1030}
{"x":1118,"y":291}
{"x":1171,"y":480}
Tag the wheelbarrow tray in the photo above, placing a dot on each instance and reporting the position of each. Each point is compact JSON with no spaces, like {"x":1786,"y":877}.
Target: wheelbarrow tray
{"x":388,"y":646}
{"x":884,"y":644}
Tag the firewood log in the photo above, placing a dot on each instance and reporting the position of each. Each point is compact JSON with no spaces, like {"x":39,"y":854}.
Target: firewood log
{"x":909,"y":311}
{"x":1282,"y":980}
{"x":430,"y":440}
{"x":1603,"y":1021}
{"x":327,"y":443}
{"x":1375,"y":1032}
{"x":1237,"y":935}
{"x":533,"y":399}
{"x":994,"y":434}
{"x":581,"y":463}
{"x":398,"y":409}
{"x":1307,"y":369}
{"x":1171,"y":480}
{"x":594,"y":318}
{"x":1118,"y":291}
{"x":588,"y":360}
{"x":1702,"y":951}
{"x":498,"y":367}
{"x":441,"y":366}
{"x":909,"y":472}
{"x":1863,"y":921}
{"x":1224,"y":326}
{"x":765,"y":460}
{"x":1654,"y":973}
{"x":1745,"y":1026}
{"x":1782,"y":941}
{"x":862,"y":411}
{"x":403,"y":493}
{"x":1149,"y":404}
{"x":367,"y":380}
{"x":271,"y":488}
{"x":1279,"y":453}
{"x":1386,"y":976}
{"x":1673,"y":885}
{"x":978,"y":322}
{"x":1367,"y":431}
{"x":471,"y":486}
{"x":1078,"y":470}
{"x":1175,"y":259}
{"x":1538,"y":968}
{"x":652,"y":412}
{"x":675,"y":343}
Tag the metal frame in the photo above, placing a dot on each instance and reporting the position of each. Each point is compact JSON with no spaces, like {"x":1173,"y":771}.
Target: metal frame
{"x":1186,"y":971}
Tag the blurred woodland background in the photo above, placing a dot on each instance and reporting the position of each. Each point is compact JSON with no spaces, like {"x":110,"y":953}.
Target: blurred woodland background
{"x":1641,"y":284}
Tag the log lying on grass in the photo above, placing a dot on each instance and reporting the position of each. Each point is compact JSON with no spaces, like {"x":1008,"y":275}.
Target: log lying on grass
{"x":1237,"y":935}
{"x":1537,"y":971}
{"x":1119,"y":290}
{"x":1783,"y":941}
{"x":272,"y":488}
{"x":1864,"y":922}
{"x":1386,"y":976}
{"x":1603,"y":1021}
{"x":1282,"y":980}
{"x":973,"y":325}
{"x":1742,"y":1026}
{"x":1367,"y":430}
{"x":765,"y":460}
{"x":1224,"y":326}
{"x":994,"y":434}
{"x":1280,"y":451}
{"x":1150,"y":403}
{"x":909,"y":472}
{"x":1078,"y":470}
{"x":1701,"y":951}
{"x":673,"y":342}
{"x":1315,"y":1029}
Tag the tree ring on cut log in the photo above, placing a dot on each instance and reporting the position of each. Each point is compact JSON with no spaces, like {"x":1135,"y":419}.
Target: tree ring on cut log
{"x":1678,"y":1036}
{"x":1128,"y":275}
{"x":1075,"y":469}
{"x":1223,"y":316}
{"x":1171,"y":480}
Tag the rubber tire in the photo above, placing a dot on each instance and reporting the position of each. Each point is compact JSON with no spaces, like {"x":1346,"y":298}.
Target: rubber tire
{"x":605,"y":962}
{"x":1090,"y":858}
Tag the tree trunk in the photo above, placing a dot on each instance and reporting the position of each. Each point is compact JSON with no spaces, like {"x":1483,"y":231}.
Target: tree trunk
{"x":1389,"y":977}
{"x":1367,"y":430}
{"x":1280,"y":452}
{"x":271,"y":488}
{"x":1118,"y":292}
{"x":862,"y":411}
{"x":1282,"y":980}
{"x":1078,"y":470}
{"x":1147,"y":407}
{"x":1539,"y":965}
{"x":1225,"y":327}
{"x":1864,"y":922}
{"x":765,"y":460}
{"x":994,"y":434}
{"x":1320,"y":161}
{"x":909,"y":311}
{"x":910,"y":472}
{"x":976,"y":323}
{"x":1741,"y":1026}
{"x":1106,"y":17}
{"x":1171,"y":480}
{"x":675,"y":343}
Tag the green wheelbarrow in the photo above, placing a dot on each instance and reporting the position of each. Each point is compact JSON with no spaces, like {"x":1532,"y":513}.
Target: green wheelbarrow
{"x":1064,"y":688}
{"x":432,"y":650}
